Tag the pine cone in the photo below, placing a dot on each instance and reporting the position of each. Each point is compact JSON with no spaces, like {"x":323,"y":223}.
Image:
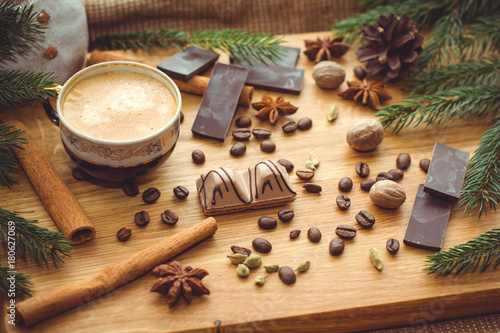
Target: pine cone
{"x":391,"y":46}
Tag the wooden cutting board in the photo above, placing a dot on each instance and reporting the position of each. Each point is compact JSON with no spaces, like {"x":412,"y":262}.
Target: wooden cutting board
{"x":344,"y":293}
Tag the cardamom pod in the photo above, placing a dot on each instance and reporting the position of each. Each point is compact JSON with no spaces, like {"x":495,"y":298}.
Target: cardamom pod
{"x":272,"y":268}
{"x":310,"y":165}
{"x":333,"y":113}
{"x":314,"y":158}
{"x":376,"y":258}
{"x":303,"y":266}
{"x":253,"y":261}
{"x":242,"y":270}
{"x":237,"y":258}
{"x":260,"y":280}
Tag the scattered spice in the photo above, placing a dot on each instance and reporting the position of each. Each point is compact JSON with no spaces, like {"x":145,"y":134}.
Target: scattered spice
{"x":376,"y":258}
{"x":333,"y":113}
{"x":367,"y":94}
{"x":242,"y":270}
{"x":175,"y":281}
{"x":303,"y":266}
{"x":324,"y":49}
{"x":272,"y":268}
{"x":237,"y":258}
{"x":260,"y":280}
{"x":270,"y":109}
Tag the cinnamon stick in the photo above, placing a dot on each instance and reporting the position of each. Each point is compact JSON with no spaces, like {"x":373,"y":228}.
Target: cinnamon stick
{"x":38,"y":308}
{"x":58,"y":200}
{"x":196,"y":85}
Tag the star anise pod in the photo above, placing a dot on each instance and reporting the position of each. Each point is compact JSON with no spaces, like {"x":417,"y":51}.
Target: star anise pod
{"x":175,"y":281}
{"x":364,"y":93}
{"x":270,"y":109}
{"x":325,"y":49}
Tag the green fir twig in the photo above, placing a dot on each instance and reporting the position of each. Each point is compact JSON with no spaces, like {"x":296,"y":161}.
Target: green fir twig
{"x":9,"y":140}
{"x":242,"y":44}
{"x":481,"y":37}
{"x":482,"y":180}
{"x":17,"y":87}
{"x":22,"y":283}
{"x":31,"y":240}
{"x":481,"y":252}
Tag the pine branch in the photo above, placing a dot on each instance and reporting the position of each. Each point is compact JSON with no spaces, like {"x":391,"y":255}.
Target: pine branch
{"x":242,"y":44}
{"x":18,"y":28}
{"x":458,"y":103}
{"x":22,"y":283}
{"x":26,"y":87}
{"x":481,"y":252}
{"x":482,"y":180}
{"x":485,"y":71}
{"x":31,"y":240}
{"x":9,"y":140}
{"x":481,"y":37}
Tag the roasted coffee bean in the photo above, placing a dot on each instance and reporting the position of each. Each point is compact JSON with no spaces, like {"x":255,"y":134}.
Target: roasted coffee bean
{"x":267,"y":223}
{"x":365,"y":219}
{"x":359,"y":72}
{"x":362,"y":169}
{"x":198,"y":156}
{"x":181,"y":192}
{"x":403,"y":161}
{"x":287,"y":275}
{"x":241,"y":250}
{"x":383,"y":176}
{"x":123,"y":234}
{"x":336,"y":246}
{"x":267,"y":146}
{"x":312,"y":188}
{"x":261,"y":133}
{"x":345,"y":184}
{"x":286,"y":164}
{"x":141,"y":218}
{"x":366,"y":185}
{"x":261,"y":245}
{"x":182,"y":117}
{"x":238,"y":149}
{"x":243,"y":122}
{"x":130,"y":188}
{"x":79,"y":174}
{"x":304,"y":124}
{"x":346,"y":231}
{"x":314,"y":234}
{"x":392,"y":245}
{"x":242,"y":134}
{"x":396,"y":174}
{"x":169,"y":217}
{"x":286,"y":215}
{"x":424,"y":164}
{"x":304,"y":174}
{"x":343,"y":201}
{"x":289,"y":126}
{"x":294,"y":234}
{"x":151,"y":195}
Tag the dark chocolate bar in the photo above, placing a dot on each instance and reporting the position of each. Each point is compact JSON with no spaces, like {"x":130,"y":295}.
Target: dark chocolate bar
{"x":428,"y":221}
{"x":280,"y":77}
{"x":446,"y":173}
{"x":188,"y":63}
{"x":220,"y":101}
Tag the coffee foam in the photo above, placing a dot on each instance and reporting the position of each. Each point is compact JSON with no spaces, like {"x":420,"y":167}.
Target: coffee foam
{"x":119,"y":106}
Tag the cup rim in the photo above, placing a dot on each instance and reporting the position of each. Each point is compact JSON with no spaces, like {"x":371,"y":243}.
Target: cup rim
{"x":112,"y":64}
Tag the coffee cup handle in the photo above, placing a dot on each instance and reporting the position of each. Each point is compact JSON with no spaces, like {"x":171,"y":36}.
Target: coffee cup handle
{"x":50,"y":112}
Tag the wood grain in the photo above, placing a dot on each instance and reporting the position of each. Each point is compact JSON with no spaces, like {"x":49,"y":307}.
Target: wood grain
{"x":344,"y":293}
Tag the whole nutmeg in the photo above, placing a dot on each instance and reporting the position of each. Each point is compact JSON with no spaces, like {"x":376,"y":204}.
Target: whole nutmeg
{"x":328,"y":74}
{"x":365,"y":134}
{"x":387,"y":194}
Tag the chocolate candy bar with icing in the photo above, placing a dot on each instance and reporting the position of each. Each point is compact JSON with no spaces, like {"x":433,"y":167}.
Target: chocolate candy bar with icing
{"x":224,"y":190}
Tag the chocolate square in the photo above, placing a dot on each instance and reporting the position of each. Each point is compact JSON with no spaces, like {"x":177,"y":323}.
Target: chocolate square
{"x":220,"y":101}
{"x":188,"y":63}
{"x":428,"y":221}
{"x":446,"y":173}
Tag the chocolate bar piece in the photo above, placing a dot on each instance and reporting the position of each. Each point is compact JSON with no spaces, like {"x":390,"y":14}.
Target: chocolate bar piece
{"x":224,"y":190}
{"x":280,"y":77}
{"x":428,"y":221}
{"x":446,"y":173}
{"x":188,"y":63}
{"x":220,"y":101}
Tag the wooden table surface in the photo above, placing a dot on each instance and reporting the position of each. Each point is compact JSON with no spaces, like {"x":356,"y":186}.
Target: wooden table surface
{"x":344,"y":293}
